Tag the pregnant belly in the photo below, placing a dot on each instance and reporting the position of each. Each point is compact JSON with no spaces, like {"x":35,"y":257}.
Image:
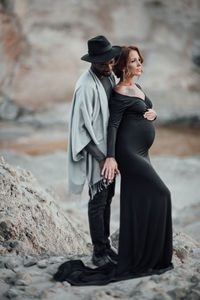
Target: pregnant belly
{"x":135,"y":136}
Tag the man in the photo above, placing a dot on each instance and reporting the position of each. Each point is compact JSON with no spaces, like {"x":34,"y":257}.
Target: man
{"x":87,"y":143}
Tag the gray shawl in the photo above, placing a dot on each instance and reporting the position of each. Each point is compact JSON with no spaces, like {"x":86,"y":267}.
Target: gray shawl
{"x":88,"y":121}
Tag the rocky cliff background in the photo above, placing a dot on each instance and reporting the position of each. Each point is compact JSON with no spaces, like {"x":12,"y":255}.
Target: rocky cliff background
{"x":41,"y":43}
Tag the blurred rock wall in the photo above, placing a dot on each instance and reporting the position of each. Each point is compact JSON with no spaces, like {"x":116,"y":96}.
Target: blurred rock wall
{"x":41,"y":43}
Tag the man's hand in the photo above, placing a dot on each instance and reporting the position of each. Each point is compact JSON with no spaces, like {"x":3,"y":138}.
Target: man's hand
{"x":110,"y":169}
{"x":150,"y":114}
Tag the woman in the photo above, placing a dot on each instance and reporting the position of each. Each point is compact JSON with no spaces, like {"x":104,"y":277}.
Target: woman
{"x":145,"y":237}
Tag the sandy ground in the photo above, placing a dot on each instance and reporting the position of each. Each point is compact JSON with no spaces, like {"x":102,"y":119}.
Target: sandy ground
{"x":31,"y":278}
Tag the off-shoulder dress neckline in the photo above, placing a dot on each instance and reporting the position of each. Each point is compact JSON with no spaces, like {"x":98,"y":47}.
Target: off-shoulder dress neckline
{"x":144,"y":100}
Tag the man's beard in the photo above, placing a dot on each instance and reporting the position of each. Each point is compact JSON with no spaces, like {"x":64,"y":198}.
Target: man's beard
{"x":106,"y":74}
{"x":101,"y":73}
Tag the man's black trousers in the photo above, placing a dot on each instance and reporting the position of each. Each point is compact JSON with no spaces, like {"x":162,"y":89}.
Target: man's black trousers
{"x":99,"y":211}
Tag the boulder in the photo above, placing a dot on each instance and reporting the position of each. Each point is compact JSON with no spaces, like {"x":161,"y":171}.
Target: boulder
{"x":41,"y":46}
{"x":31,"y":223}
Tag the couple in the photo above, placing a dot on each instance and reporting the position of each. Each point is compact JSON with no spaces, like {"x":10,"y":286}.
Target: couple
{"x":111,"y":129}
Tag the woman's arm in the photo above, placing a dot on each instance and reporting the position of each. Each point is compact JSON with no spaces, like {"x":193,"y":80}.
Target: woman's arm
{"x":93,"y":149}
{"x":110,"y":168}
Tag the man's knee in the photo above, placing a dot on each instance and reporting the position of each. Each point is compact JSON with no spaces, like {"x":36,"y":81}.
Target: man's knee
{"x":99,"y":201}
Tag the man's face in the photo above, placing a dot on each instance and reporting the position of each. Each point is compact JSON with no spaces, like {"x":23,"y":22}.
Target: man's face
{"x":103,"y":69}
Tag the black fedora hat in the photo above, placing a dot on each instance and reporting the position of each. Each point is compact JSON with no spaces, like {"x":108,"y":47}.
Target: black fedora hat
{"x":100,"y":50}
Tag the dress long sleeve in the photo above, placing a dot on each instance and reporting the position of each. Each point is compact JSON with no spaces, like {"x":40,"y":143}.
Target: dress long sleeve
{"x":94,"y":151}
{"x":117,"y":109}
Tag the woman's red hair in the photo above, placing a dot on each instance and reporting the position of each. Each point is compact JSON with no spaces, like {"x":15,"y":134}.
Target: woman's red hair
{"x":122,"y":61}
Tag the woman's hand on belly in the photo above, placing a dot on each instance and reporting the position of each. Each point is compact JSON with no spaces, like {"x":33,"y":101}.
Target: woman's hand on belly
{"x":110,"y":169}
{"x":150,"y":114}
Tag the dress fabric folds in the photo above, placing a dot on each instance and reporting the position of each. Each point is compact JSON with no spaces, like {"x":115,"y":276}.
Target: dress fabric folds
{"x":145,"y":235}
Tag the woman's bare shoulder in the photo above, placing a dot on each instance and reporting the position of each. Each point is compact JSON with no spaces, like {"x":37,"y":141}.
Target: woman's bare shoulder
{"x":125,"y":90}
{"x":120,"y":88}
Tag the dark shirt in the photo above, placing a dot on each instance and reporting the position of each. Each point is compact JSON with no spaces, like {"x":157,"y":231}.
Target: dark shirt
{"x":91,"y":147}
{"x":107,"y":86}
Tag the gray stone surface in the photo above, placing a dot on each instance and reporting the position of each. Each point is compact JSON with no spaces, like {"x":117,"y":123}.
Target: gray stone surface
{"x":42,"y":264}
{"x":40,"y":62}
{"x":181,"y":282}
{"x":30,"y":216}
{"x":9,"y":110}
{"x":29,"y":261}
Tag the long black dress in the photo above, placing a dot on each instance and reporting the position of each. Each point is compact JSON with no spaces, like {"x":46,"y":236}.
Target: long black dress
{"x":145,"y":237}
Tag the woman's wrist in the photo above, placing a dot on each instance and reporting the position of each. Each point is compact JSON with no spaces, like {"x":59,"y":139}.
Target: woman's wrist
{"x":111,"y":157}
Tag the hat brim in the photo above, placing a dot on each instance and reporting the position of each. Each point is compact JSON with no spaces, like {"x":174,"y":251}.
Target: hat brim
{"x":113,"y":52}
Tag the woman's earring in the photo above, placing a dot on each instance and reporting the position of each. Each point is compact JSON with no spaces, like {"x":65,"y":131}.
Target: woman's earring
{"x":123,"y":75}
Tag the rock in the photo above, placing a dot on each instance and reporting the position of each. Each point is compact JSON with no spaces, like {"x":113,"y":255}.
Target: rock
{"x":9,"y":110}
{"x":146,"y":285}
{"x":58,"y":284}
{"x":32,"y":292}
{"x":56,"y":259}
{"x":32,"y":218}
{"x":12,"y":262}
{"x":115,"y":239}
{"x":179,"y":293}
{"x":13,"y":44}
{"x":181,"y":253}
{"x":31,"y":31}
{"x":195,"y":279}
{"x":49,"y":169}
{"x":2,"y":263}
{"x":184,"y":246}
{"x":114,"y":293}
{"x":12,"y":293}
{"x":42,"y":264}
{"x":162,"y":296}
{"x":22,"y":278}
{"x":29,"y":261}
{"x":66,"y":284}
{"x":106,"y":295}
{"x":44,"y":294}
{"x":7,"y":275}
{"x":3,"y":287}
{"x":194,"y":294}
{"x":156,"y":278}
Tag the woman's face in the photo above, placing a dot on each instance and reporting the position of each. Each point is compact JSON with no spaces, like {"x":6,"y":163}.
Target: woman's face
{"x":134,"y":65}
